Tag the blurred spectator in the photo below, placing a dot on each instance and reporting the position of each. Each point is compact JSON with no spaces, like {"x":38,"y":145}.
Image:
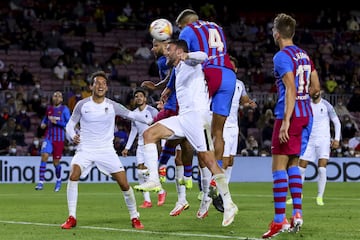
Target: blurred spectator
{"x":326,"y":47}
{"x":4,"y":42}
{"x":4,"y":143}
{"x":117,"y":57}
{"x":76,"y":59}
{"x":352,"y":24}
{"x":111,"y":71}
{"x":78,"y":81}
{"x":99,"y":18}
{"x":143,"y":52}
{"x":354,"y":145}
{"x":79,"y":10}
{"x":10,"y":103}
{"x":19,"y":135}
{"x":252,"y":147}
{"x":13,"y":148}
{"x":60,"y":70}
{"x":69,"y":149}
{"x":65,"y":27}
{"x":87,"y":51}
{"x":354,"y":101}
{"x":86,"y":92}
{"x":26,"y":77}
{"x":256,"y":56}
{"x":78,"y":29}
{"x":34,"y":104}
{"x":47,"y":61}
{"x":96,"y":66}
{"x":266,"y":134}
{"x":35,"y":148}
{"x":249,"y":120}
{"x":348,"y":128}
{"x":330,"y":84}
{"x":4,"y":116}
{"x":5,"y":82}
{"x":29,"y":13}
{"x":12,"y":75}
{"x":23,"y":119}
{"x":31,"y":41}
{"x":76,"y":69}
{"x":36,"y":90}
{"x":74,"y":98}
{"x":306,"y":37}
{"x":258,"y":77}
{"x":9,"y":127}
{"x":20,"y":102}
{"x":54,"y":42}
{"x":341,"y":109}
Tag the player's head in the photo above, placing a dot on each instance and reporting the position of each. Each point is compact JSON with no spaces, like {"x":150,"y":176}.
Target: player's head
{"x":316,"y":97}
{"x":234,"y":62}
{"x":57,"y":98}
{"x":140,"y":97}
{"x":284,"y":27}
{"x":185,"y":17}
{"x":99,"y":83}
{"x":174,"y":49}
{"x":159,"y":47}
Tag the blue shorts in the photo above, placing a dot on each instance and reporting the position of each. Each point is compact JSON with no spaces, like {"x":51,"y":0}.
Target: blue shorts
{"x":221,"y":83}
{"x":53,"y":147}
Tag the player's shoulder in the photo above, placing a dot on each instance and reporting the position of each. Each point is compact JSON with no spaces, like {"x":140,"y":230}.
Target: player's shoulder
{"x":327,"y":104}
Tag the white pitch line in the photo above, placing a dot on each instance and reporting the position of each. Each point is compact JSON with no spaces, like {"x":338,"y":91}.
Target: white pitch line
{"x":136,"y":231}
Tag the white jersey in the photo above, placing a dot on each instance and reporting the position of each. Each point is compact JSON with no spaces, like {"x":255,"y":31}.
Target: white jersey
{"x":231,"y":127}
{"x":320,"y":137}
{"x":191,"y":90}
{"x":138,"y":128}
{"x":193,"y":121}
{"x":323,"y":113}
{"x":97,"y":122}
{"x":240,"y":91}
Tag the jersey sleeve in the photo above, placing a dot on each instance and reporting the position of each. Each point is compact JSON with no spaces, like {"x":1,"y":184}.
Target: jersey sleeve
{"x":65,"y":117}
{"x":122,"y":111}
{"x":335,"y":120}
{"x":73,"y":121}
{"x":132,"y":136}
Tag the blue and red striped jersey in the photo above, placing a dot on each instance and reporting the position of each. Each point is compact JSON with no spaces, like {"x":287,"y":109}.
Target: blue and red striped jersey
{"x":296,"y":60}
{"x":56,"y":132}
{"x":207,"y":37}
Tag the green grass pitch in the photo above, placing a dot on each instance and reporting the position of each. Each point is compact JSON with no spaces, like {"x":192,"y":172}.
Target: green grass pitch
{"x":32,"y":215}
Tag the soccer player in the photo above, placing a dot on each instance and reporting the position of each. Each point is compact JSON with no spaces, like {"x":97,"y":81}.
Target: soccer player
{"x":137,"y":129}
{"x":231,"y":132}
{"x":320,"y":142}
{"x":210,"y":38}
{"x":192,"y":123}
{"x":96,"y":115}
{"x":295,"y":76}
{"x":183,"y":169}
{"x":56,"y":117}
{"x":231,"y":127}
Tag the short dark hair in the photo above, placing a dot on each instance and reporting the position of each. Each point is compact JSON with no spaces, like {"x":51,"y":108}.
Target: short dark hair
{"x":97,"y":74}
{"x":236,"y":63}
{"x":142,"y":90}
{"x":180,"y":43}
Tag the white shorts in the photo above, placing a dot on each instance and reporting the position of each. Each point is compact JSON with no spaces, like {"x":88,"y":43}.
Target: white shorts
{"x":194,"y":126}
{"x":140,"y":156}
{"x":106,"y":160}
{"x":231,"y":136}
{"x":316,"y":149}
